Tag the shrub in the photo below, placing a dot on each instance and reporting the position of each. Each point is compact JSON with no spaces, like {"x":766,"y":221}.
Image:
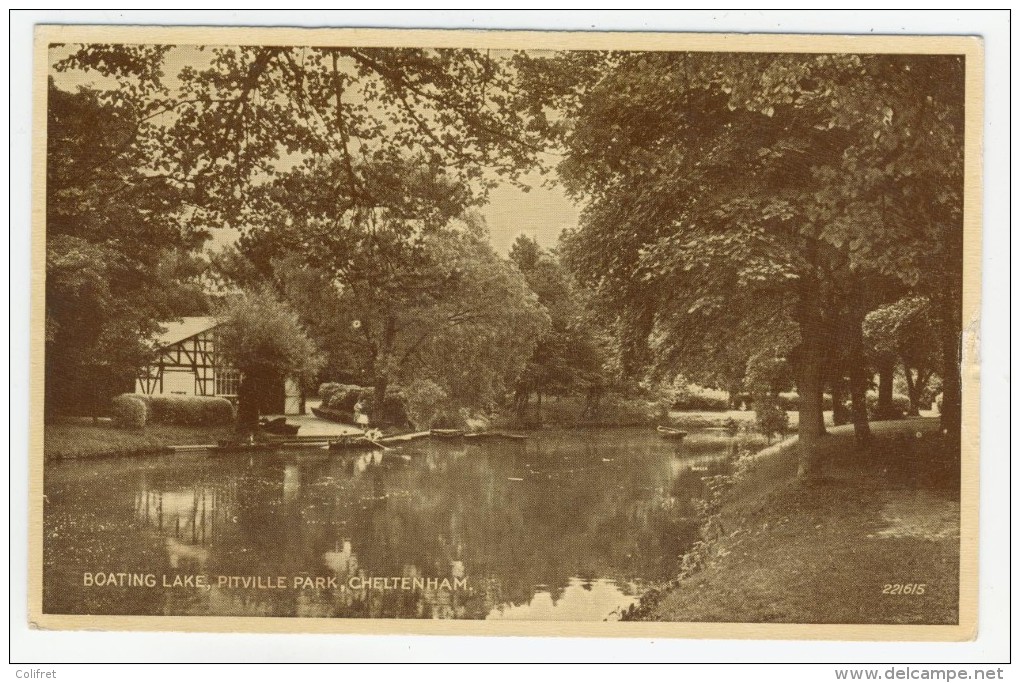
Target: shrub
{"x":932,"y":390}
{"x":617,"y":410}
{"x":394,"y":408}
{"x":327,"y":390}
{"x":129,"y":411}
{"x":743,"y":401}
{"x":190,"y":411}
{"x":704,"y":401}
{"x":770,"y":418}
{"x":901,"y":405}
{"x":424,"y":402}
{"x":696,"y":398}
{"x":342,"y":397}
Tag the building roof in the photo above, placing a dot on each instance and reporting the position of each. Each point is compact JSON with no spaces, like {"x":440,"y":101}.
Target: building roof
{"x":179,"y":330}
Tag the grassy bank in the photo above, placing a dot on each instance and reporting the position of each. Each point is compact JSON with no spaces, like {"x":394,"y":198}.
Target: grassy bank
{"x":823,"y":551}
{"x":68,"y":439}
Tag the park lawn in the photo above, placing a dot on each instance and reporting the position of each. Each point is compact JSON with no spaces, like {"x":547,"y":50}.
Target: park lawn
{"x":822,"y":551}
{"x":67,"y":439}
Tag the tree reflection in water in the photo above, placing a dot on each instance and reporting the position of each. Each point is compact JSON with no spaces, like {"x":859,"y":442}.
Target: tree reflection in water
{"x":568,"y":525}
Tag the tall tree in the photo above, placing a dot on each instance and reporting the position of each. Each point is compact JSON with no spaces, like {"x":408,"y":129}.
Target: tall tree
{"x":905,"y":332}
{"x":238,"y":113}
{"x":263,"y":338}
{"x":572,"y":355}
{"x":118,"y":258}
{"x":731,"y":195}
{"x":399,"y":288}
{"x":189,"y":135}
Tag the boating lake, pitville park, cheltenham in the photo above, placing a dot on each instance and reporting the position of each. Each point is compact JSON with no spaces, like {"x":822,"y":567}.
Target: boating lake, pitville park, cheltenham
{"x":567,"y":525}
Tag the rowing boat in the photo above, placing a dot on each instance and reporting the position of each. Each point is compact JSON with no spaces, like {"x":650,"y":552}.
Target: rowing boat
{"x":671,"y":432}
{"x":331,"y":415}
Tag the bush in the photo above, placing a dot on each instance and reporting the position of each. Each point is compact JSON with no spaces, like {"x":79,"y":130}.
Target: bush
{"x":342,"y":397}
{"x":788,"y":400}
{"x":743,"y":401}
{"x":770,"y":419}
{"x":901,"y":405}
{"x":130,"y":411}
{"x":424,"y":402}
{"x":617,"y":410}
{"x":696,"y":398}
{"x":327,"y":390}
{"x":190,"y":411}
{"x":394,"y":408}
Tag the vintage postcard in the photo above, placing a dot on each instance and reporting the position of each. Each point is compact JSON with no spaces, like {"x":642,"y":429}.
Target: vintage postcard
{"x":498,"y":333}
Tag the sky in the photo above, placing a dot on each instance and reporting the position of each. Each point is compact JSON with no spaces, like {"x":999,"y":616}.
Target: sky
{"x":541,"y":213}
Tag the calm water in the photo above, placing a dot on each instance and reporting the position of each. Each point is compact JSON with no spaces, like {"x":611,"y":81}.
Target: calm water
{"x":565,"y":526}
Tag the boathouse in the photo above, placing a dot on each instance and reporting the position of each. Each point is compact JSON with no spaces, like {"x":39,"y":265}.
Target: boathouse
{"x":186,"y":363}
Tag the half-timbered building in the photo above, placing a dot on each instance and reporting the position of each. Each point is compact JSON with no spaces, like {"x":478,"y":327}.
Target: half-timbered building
{"x":186,"y":363}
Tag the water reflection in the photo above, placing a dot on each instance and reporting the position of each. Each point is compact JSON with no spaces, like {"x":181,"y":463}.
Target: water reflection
{"x":568,"y":526}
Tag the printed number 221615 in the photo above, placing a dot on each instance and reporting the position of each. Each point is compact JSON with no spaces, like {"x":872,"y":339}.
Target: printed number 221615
{"x":904,"y":588}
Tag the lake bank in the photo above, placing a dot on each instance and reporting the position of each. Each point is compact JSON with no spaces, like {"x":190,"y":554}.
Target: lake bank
{"x":70,"y":440}
{"x":835,"y":548}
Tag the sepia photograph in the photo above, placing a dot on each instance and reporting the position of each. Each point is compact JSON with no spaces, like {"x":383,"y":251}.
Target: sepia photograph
{"x":468,"y":332}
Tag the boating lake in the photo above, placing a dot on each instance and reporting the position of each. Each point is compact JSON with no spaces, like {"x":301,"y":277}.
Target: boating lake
{"x":567,"y":525}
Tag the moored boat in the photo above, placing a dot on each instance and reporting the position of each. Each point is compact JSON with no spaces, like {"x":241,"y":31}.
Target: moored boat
{"x":331,"y":415}
{"x":448,"y":433}
{"x":279,"y":427}
{"x":671,"y":432}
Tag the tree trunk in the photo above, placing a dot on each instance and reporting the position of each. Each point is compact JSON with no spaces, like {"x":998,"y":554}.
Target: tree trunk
{"x":840,"y":415}
{"x":821,"y":407}
{"x":810,"y":416}
{"x":521,"y":399}
{"x":951,"y":398}
{"x":859,"y":400}
{"x":247,"y":405}
{"x":538,"y":408}
{"x":378,"y":397}
{"x":885,"y":409}
{"x":591,"y":403}
{"x":913,"y":390}
{"x":810,"y":376}
{"x":381,"y":367}
{"x":859,"y":379}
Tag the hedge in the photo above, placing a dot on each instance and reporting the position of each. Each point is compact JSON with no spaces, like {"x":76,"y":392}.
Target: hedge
{"x":191,"y":411}
{"x":129,"y":411}
{"x":188,"y":411}
{"x":706,"y":400}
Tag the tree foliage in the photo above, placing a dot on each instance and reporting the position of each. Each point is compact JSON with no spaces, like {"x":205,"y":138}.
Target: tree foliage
{"x":404,"y":287}
{"x":175,"y":141}
{"x":576,"y":354}
{"x":906,"y":333}
{"x":117,"y":256}
{"x":740,"y":204}
{"x":237,"y":113}
{"x":263,"y":338}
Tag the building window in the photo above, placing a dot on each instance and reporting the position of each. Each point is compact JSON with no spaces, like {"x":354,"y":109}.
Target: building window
{"x":227,"y":381}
